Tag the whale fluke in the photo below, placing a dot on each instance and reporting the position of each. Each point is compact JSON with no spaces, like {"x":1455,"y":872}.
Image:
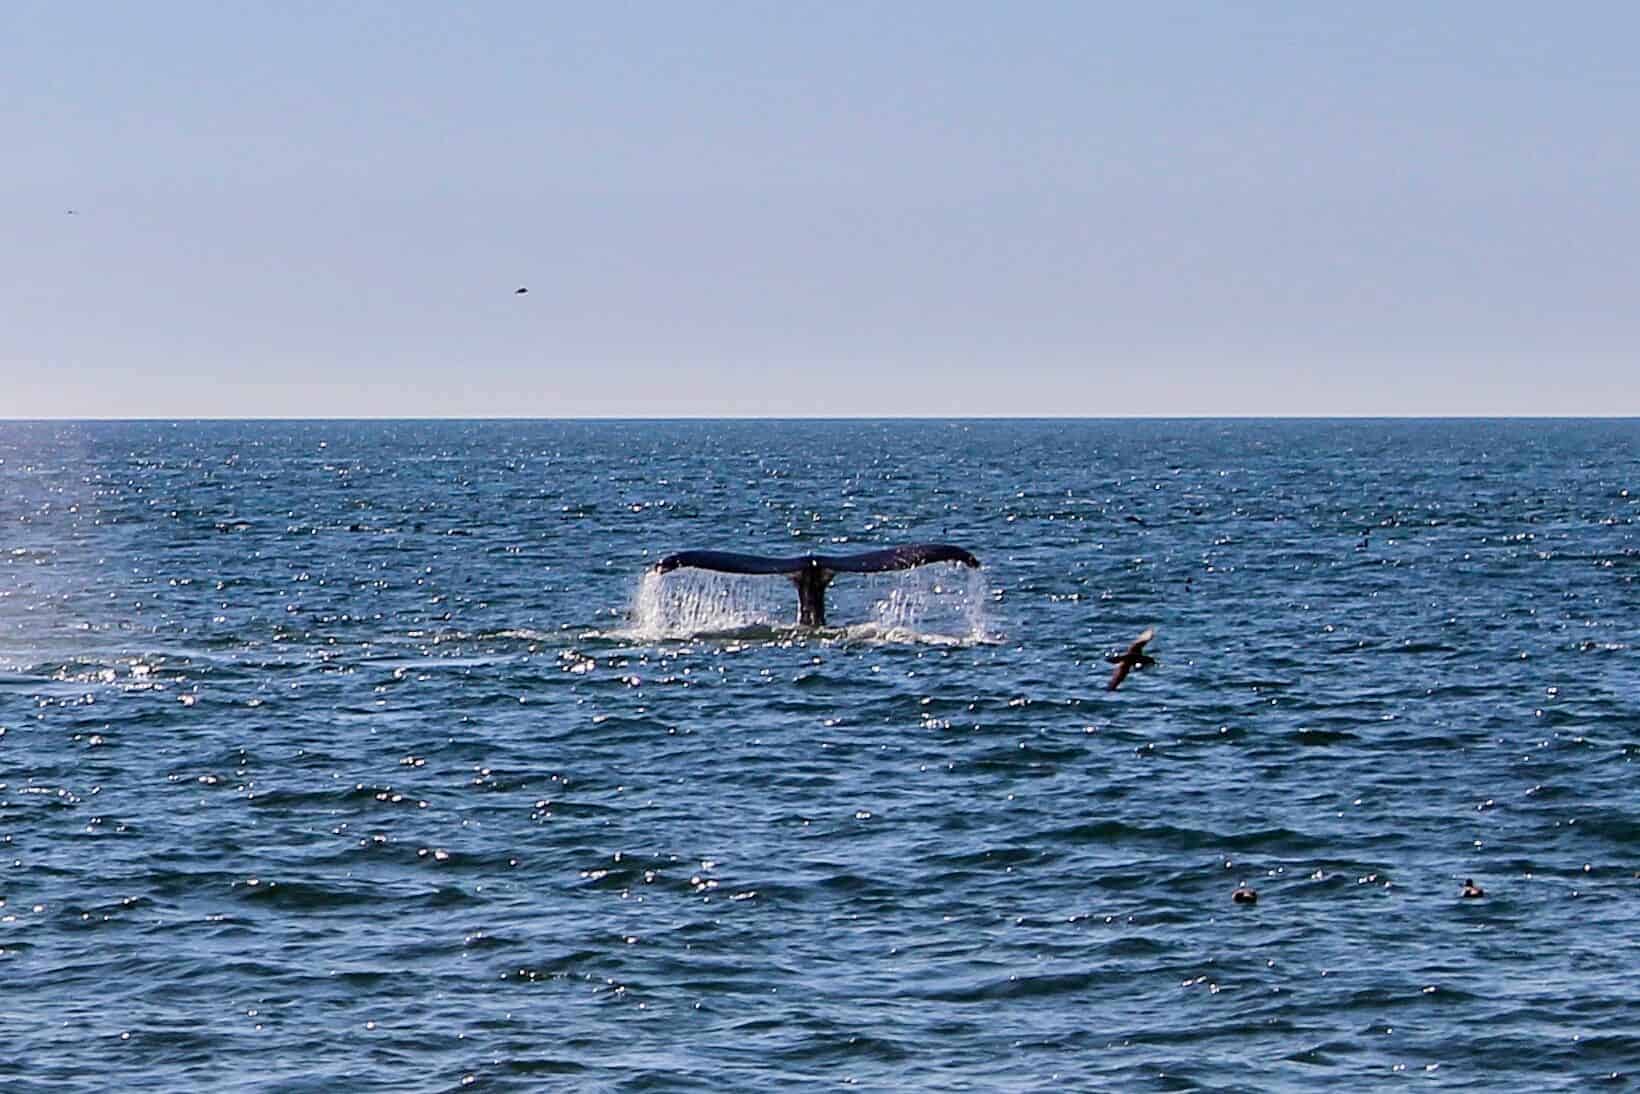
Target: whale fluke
{"x":871,"y":562}
{"x":1134,"y":657}
{"x":812,"y":573}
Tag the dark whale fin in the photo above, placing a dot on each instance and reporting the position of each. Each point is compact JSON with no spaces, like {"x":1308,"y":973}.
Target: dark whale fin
{"x":812,"y":573}
{"x":897,"y":558}
{"x":727,"y":562}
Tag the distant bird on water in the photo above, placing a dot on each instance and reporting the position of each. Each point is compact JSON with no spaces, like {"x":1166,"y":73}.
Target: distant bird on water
{"x":1133,"y":658}
{"x":520,"y":291}
{"x":1472,"y":891}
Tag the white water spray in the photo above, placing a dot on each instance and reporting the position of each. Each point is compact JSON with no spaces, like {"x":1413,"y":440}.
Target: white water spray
{"x":931,"y":603}
{"x":684,"y":603}
{"x":927,"y":604}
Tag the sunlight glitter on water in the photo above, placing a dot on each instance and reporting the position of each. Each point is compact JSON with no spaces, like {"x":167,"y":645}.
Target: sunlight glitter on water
{"x":885,"y":849}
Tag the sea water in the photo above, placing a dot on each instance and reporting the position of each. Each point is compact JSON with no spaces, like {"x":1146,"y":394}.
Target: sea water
{"x":353,"y":756}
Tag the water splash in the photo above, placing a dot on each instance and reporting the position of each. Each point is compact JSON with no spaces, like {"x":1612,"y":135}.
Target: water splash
{"x":685,"y":603}
{"x":942,"y":604}
{"x":933,"y":603}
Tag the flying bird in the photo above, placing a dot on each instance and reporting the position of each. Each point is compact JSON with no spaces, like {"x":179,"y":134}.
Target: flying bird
{"x":520,"y":291}
{"x":1134,"y":657}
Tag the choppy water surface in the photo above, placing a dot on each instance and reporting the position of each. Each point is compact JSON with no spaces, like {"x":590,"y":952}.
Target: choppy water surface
{"x":362,"y":756}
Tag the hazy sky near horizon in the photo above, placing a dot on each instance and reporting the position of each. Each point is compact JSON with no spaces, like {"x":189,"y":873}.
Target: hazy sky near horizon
{"x":783,"y":208}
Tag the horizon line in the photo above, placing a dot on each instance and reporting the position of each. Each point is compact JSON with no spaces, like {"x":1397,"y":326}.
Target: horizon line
{"x":1478,"y":417}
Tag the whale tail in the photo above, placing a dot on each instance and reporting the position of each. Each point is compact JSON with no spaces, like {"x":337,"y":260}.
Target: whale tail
{"x":813,"y":573}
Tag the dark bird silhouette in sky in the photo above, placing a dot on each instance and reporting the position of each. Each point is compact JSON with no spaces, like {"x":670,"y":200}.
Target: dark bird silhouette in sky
{"x":520,"y":291}
{"x":1134,"y":657}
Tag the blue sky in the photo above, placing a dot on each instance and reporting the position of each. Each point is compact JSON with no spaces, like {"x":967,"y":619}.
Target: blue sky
{"x":835,"y":208}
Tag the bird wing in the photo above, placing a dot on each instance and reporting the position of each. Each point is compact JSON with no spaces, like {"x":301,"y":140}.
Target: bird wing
{"x":1123,"y":667}
{"x":1138,"y":648}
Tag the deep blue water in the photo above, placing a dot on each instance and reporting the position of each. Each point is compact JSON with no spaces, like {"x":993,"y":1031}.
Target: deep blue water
{"x":341,"y":756}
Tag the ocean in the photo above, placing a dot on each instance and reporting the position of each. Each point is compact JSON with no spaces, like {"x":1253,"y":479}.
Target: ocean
{"x":372,"y":756}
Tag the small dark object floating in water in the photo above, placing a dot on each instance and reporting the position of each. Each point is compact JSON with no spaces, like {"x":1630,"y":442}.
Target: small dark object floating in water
{"x":813,"y":573}
{"x":1244,"y":895}
{"x":1471,"y":890}
{"x":1133,"y":658}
